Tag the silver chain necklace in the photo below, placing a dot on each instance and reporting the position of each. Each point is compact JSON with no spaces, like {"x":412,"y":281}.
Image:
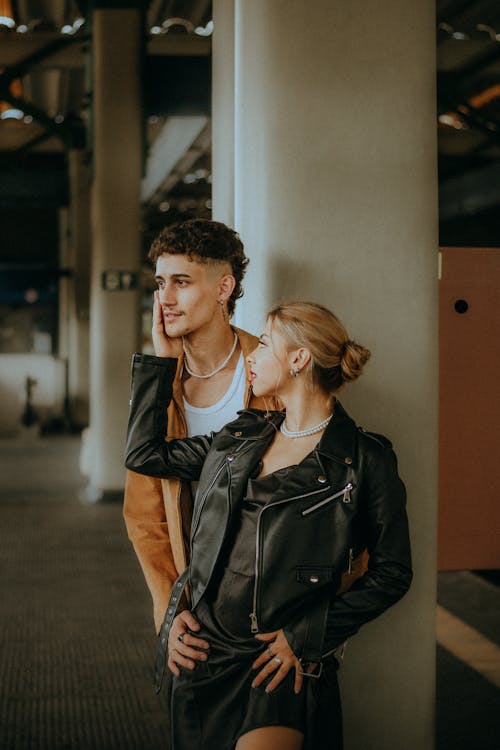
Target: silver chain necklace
{"x":304,"y":433}
{"x":217,"y":369}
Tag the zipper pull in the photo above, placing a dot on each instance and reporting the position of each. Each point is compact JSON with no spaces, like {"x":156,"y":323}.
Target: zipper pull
{"x":351,"y":559}
{"x":254,"y":627}
{"x":347,"y":493}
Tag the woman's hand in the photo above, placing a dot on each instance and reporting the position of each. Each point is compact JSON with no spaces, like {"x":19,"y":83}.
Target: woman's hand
{"x":183,"y":647}
{"x":278,"y":658}
{"x":164,"y":345}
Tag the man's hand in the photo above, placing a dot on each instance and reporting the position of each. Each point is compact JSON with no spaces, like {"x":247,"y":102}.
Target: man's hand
{"x":164,"y":345}
{"x":278,"y":658}
{"x":183,"y":647}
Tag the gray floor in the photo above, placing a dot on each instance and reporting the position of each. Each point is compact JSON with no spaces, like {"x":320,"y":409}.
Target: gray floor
{"x":468,"y":706}
{"x":76,"y":630}
{"x":76,"y":633}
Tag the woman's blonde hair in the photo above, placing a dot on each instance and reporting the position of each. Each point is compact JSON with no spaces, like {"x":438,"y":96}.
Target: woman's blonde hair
{"x":335,"y":358}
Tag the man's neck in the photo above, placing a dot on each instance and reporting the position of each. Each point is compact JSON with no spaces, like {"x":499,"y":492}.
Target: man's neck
{"x":207,"y":347}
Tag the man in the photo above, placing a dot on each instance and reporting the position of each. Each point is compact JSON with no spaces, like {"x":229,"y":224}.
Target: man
{"x":199,"y":269}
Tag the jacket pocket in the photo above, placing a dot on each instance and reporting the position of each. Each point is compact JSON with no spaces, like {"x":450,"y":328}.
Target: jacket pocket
{"x":344,"y":493}
{"x":314,"y":576}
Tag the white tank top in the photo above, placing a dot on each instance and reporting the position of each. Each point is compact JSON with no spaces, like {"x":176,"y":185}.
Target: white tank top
{"x":207,"y":419}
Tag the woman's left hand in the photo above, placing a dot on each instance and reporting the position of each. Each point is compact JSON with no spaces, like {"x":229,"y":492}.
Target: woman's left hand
{"x":277,"y":658}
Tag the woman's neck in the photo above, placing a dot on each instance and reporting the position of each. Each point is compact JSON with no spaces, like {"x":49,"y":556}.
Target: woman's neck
{"x":305,"y":409}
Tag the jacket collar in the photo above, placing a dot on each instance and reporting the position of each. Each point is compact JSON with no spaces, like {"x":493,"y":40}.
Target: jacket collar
{"x":255,"y":424}
{"x":338,"y":441}
{"x":340,"y":437}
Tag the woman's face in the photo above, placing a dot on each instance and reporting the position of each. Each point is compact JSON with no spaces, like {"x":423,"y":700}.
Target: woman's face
{"x":269,"y":367}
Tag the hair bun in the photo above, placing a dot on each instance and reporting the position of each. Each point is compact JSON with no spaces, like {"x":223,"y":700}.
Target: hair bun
{"x":354,"y":357}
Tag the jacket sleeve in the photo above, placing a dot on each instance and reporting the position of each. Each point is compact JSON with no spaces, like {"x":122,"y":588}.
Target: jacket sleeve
{"x":146,"y":451}
{"x":389,"y":574}
{"x":147,"y":528}
{"x":389,"y":571}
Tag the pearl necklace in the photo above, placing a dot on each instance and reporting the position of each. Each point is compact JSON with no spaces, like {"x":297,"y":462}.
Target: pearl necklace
{"x":217,"y":369}
{"x":304,"y":433}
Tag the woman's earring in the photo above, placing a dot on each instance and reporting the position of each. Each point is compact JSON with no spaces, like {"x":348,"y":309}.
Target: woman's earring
{"x":223,"y":310}
{"x":294,"y":372}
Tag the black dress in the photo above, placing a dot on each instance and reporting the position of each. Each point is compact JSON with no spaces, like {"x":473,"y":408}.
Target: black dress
{"x":214,"y":704}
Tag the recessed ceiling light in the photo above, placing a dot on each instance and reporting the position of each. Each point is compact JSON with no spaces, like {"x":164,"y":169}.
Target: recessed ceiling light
{"x":7,"y":21}
{"x":205,"y":30}
{"x":12,"y":114}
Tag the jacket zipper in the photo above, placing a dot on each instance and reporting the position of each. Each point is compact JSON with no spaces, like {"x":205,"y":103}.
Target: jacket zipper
{"x":346,"y":492}
{"x":202,"y":501}
{"x":204,"y":497}
{"x":254,"y":627}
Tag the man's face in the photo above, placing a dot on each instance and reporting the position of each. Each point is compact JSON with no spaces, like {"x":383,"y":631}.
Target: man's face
{"x":189,"y":293}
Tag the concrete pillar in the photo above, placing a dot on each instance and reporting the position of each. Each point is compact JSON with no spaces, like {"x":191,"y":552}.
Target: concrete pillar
{"x":223,"y":94}
{"x":79,"y":267}
{"x":335,"y":199}
{"x":115,"y":207}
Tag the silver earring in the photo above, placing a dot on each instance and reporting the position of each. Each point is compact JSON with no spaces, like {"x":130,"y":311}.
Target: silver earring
{"x":294,"y":373}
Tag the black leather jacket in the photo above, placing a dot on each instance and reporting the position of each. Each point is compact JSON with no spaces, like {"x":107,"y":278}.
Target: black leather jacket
{"x":345,"y":497}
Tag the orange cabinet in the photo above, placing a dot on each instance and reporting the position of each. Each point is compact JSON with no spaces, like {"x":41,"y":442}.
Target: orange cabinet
{"x":469,"y":397}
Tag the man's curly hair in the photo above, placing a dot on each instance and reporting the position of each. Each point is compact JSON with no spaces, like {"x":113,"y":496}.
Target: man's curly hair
{"x":204,"y":240}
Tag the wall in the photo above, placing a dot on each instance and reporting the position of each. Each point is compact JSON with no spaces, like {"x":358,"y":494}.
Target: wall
{"x":335,"y":199}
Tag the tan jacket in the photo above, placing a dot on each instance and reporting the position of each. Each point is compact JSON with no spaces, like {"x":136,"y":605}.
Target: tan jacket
{"x":157,"y":512}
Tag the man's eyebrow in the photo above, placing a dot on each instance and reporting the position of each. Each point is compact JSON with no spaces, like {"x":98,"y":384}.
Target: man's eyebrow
{"x":175,"y":276}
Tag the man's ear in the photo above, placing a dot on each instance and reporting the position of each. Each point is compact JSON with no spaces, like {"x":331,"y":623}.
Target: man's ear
{"x":226,"y":286}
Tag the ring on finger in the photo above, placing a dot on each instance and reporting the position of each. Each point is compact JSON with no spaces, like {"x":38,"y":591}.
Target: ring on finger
{"x":277,"y":660}
{"x":268,"y":651}
{"x":180,"y":637}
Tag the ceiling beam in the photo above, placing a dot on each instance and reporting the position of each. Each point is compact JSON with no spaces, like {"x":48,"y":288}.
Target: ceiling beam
{"x":29,"y":145}
{"x":72,"y":54}
{"x":178,"y":137}
{"x":20,"y":69}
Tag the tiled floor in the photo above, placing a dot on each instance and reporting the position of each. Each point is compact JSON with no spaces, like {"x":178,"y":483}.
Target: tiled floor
{"x":76,"y":632}
{"x":468,"y":662}
{"x":75,"y":625}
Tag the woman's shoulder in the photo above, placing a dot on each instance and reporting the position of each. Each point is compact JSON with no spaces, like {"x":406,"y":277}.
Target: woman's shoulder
{"x":368,"y":441}
{"x":380,"y":440}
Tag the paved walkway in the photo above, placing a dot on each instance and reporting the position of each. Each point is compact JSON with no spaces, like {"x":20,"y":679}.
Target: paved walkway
{"x":468,"y":662}
{"x":76,"y":624}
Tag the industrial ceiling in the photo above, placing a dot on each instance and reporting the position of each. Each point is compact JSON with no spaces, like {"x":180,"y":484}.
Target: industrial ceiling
{"x":45,"y":100}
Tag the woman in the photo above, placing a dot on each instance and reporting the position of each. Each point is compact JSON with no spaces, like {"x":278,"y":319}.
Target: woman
{"x":286,"y":501}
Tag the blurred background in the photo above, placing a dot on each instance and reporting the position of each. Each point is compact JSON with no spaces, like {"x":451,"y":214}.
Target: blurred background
{"x":119,"y":118}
